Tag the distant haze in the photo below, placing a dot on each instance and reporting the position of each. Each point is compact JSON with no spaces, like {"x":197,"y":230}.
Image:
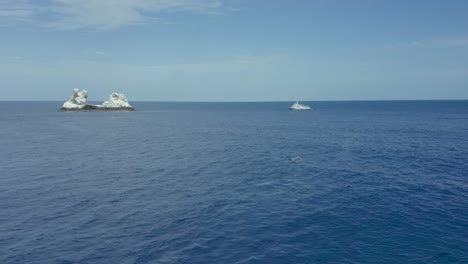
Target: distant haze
{"x":238,"y":50}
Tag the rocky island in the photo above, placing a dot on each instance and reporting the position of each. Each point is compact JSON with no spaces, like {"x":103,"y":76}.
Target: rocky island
{"x":78,"y":102}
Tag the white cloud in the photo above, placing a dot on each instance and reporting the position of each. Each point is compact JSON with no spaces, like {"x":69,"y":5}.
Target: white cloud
{"x":99,"y":14}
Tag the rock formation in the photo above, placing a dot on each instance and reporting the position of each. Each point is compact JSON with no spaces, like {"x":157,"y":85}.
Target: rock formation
{"x":78,"y":102}
{"x":116,"y":100}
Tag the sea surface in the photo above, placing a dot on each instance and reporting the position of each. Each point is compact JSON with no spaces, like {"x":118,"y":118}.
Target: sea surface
{"x":348,"y":182}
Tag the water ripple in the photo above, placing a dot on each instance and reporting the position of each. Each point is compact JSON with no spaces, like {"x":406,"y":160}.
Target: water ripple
{"x":340,"y":185}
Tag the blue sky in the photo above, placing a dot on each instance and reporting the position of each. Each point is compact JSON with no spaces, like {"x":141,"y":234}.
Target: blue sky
{"x":237,"y":50}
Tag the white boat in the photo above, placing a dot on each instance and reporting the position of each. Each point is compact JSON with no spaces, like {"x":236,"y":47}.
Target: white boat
{"x":298,"y":106}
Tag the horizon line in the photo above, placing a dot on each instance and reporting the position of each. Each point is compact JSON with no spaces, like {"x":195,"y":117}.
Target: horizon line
{"x":255,"y":101}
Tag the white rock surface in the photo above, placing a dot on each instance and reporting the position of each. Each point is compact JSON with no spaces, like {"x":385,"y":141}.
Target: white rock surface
{"x":116,"y":100}
{"x":77,"y":100}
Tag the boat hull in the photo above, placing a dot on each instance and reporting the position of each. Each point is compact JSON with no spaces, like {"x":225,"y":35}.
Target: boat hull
{"x":299,"y":109}
{"x":298,"y":106}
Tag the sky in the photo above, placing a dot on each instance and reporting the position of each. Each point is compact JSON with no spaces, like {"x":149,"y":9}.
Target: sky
{"x":234,"y":50}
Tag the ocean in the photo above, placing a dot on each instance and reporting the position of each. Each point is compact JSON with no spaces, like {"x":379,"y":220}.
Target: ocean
{"x":347,"y":182}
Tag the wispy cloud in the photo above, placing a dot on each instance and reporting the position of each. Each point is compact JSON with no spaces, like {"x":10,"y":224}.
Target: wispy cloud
{"x":436,"y":42}
{"x":98,"y":14}
{"x":100,"y":53}
{"x":253,"y":64}
{"x":163,"y":81}
{"x":460,"y":41}
{"x":16,"y":11}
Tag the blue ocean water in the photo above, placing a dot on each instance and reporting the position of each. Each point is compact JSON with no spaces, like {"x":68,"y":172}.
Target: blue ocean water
{"x":348,"y":182}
